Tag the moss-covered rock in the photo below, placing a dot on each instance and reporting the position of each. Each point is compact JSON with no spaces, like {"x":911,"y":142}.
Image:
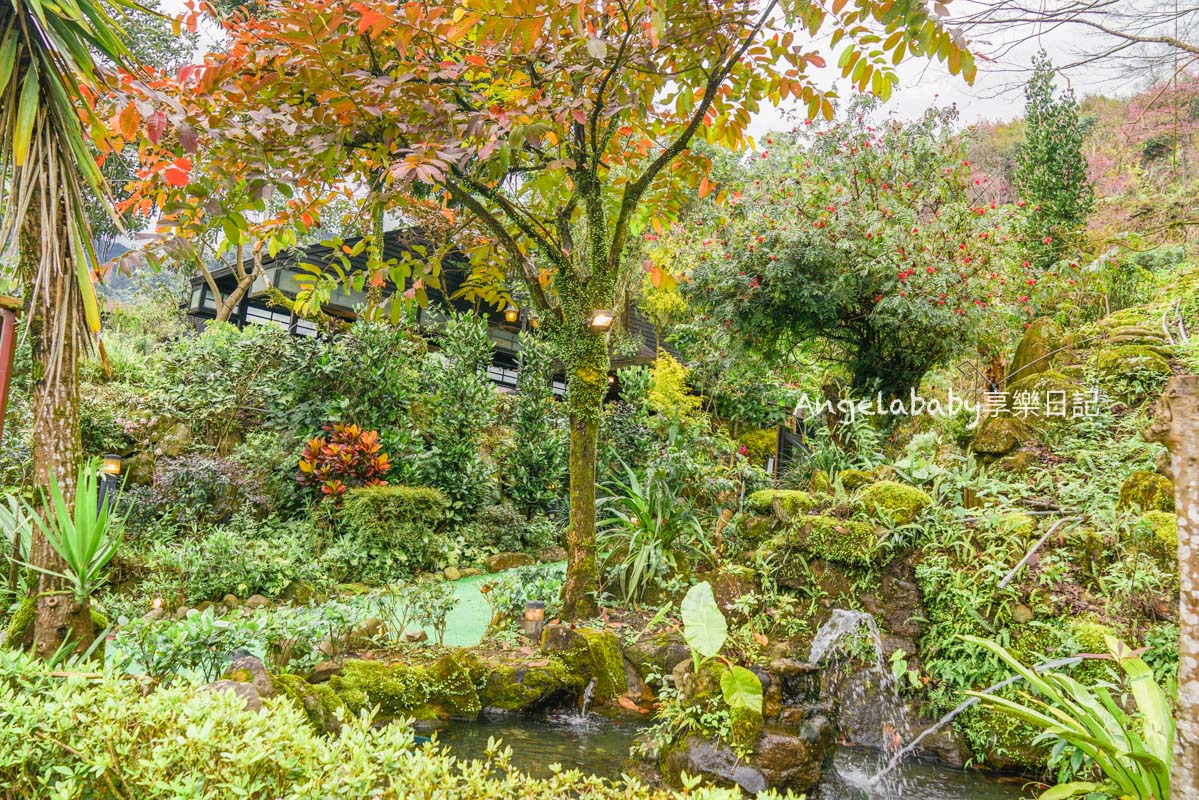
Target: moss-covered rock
{"x":521,"y":688}
{"x":436,"y":691}
{"x":1086,"y":636}
{"x":1163,"y":539}
{"x":998,"y":435}
{"x":791,"y":502}
{"x":1017,"y":462}
{"x":318,"y":701}
{"x":753,"y":528}
{"x":819,"y":482}
{"x":1132,"y":372}
{"x":592,"y":654}
{"x":894,"y":501}
{"x":744,"y":726}
{"x":1017,"y":526}
{"x":1046,"y":398}
{"x":1147,"y":491}
{"x":1036,"y":348}
{"x":840,"y":540}
{"x":852,"y":479}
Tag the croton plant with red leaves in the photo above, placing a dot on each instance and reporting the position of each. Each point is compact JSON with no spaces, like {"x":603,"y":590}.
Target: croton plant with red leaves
{"x":346,"y":456}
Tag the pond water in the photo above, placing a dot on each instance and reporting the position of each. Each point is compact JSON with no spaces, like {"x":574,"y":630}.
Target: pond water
{"x":599,"y":745}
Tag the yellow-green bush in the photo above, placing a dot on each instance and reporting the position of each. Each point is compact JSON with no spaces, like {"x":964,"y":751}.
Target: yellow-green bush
{"x":83,"y":738}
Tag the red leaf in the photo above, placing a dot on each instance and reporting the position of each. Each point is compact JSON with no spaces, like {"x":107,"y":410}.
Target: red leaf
{"x":176,"y":177}
{"x":156,"y":125}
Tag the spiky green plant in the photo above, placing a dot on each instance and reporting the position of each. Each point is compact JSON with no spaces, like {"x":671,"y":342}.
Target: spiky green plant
{"x":85,"y":538}
{"x":646,"y":527}
{"x":1132,"y":750}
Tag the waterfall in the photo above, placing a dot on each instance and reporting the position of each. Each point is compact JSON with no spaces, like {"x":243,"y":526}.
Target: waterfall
{"x":588,"y":696}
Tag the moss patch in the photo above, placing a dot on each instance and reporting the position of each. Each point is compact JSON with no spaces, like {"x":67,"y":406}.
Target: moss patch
{"x":597,"y":657}
{"x":1133,"y":372}
{"x":1147,"y":491}
{"x":853,"y":479}
{"x":840,"y":540}
{"x":792,"y":501}
{"x":318,"y":701}
{"x":895,"y":501}
{"x":21,"y":619}
{"x":998,"y":436}
{"x":1017,"y":526}
{"x":1163,"y":541}
{"x":434,"y":691}
{"x":1033,"y":354}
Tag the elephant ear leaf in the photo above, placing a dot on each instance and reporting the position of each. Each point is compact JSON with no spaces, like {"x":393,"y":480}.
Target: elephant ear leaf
{"x":704,"y":627}
{"x":741,"y":689}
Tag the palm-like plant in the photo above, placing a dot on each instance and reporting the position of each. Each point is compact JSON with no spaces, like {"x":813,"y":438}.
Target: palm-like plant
{"x":1134,"y":752}
{"x":84,"y":538}
{"x":646,"y":527}
{"x":49,"y":79}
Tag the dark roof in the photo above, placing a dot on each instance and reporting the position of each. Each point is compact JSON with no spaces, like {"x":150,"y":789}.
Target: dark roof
{"x":399,"y":242}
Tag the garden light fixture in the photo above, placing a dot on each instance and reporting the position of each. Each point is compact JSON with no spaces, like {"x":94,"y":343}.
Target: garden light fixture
{"x":511,"y":313}
{"x":601,"y":319}
{"x":110,"y":471}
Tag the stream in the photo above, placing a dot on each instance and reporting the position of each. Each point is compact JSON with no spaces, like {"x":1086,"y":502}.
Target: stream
{"x":599,"y":744}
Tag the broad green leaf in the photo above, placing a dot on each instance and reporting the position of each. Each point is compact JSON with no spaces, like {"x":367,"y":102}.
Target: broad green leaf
{"x":741,"y":689}
{"x":704,"y":626}
{"x":1073,"y":789}
{"x":26,"y":115}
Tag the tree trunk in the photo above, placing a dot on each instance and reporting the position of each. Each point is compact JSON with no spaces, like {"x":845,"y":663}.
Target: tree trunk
{"x":232,"y":300}
{"x":587,"y":383}
{"x":55,"y":321}
{"x":1176,"y":425}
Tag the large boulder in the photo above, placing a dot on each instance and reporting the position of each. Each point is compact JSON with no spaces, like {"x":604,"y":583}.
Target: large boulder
{"x":782,"y":759}
{"x":1036,"y":349}
{"x":1117,"y":366}
{"x":998,"y":435}
{"x":1147,"y":491}
{"x":898,"y":502}
{"x":503,"y":561}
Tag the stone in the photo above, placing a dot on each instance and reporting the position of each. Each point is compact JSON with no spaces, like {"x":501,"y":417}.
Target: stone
{"x":783,"y":503}
{"x":230,"y":601}
{"x":181,"y":612}
{"x":318,"y":701}
{"x":175,"y":440}
{"x":783,"y":759}
{"x":300,"y":593}
{"x":1018,"y":462}
{"x":470,"y":572}
{"x":1147,"y":491}
{"x":324,"y":671}
{"x":791,"y":761}
{"x":503,"y":561}
{"x":1115,"y":364}
{"x":369,"y":629}
{"x":898,"y":502}
{"x":658,"y":653}
{"x":1022,"y":614}
{"x":1035,"y":352}
{"x":138,"y":469}
{"x":250,"y":669}
{"x":451,"y":573}
{"x":154,"y":614}
{"x":257,"y":601}
{"x":245,"y":691}
{"x":551,"y":555}
{"x":416,"y":636}
{"x":997,"y":436}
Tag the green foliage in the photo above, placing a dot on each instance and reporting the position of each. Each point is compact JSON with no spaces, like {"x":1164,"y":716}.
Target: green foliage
{"x":460,"y":404}
{"x":668,"y":394}
{"x":1051,"y":170}
{"x":704,"y":626}
{"x":388,"y":531}
{"x":198,"y":489}
{"x":647,"y":531}
{"x":535,"y":476}
{"x":515,"y":587}
{"x":834,"y":243}
{"x":245,"y":556}
{"x":1134,"y":752}
{"x":792,"y":502}
{"x":84,"y":539}
{"x":221,"y":749}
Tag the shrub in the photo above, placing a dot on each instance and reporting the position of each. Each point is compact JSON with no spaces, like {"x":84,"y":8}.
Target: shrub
{"x":535,"y":476}
{"x":346,"y":457}
{"x":201,"y":489}
{"x":509,"y":593}
{"x":387,"y":531}
{"x":57,"y":732}
{"x":244,"y":557}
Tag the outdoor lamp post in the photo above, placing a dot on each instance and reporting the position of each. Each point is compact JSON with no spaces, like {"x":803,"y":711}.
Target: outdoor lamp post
{"x":110,"y":472}
{"x":511,"y":314}
{"x":601,"y":319}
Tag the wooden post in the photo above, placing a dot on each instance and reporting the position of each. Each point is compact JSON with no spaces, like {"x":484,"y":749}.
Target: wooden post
{"x":1176,"y":425}
{"x":9,"y":307}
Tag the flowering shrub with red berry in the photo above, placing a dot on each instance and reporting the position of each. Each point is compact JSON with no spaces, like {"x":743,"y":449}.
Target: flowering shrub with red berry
{"x":870,"y":239}
{"x":346,"y":456}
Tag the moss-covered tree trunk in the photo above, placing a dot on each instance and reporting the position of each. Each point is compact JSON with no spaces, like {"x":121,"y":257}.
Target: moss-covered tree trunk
{"x":55,"y":320}
{"x":587,"y":383}
{"x":1177,"y":426}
